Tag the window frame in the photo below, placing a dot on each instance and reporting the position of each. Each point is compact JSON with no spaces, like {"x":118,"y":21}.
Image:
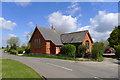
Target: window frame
{"x":87,"y":44}
{"x":37,"y":43}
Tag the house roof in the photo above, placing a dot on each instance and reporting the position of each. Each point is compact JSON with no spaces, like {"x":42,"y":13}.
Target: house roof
{"x":75,"y":37}
{"x":58,"y":37}
{"x":51,"y":34}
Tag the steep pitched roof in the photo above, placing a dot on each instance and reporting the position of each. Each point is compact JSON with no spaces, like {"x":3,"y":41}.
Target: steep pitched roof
{"x":75,"y":37}
{"x":51,"y":34}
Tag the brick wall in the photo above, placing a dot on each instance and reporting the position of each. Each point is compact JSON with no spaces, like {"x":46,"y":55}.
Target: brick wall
{"x":47,"y":47}
{"x":87,"y":38}
{"x":52,"y":48}
{"x":42,"y":48}
{"x":57,"y":50}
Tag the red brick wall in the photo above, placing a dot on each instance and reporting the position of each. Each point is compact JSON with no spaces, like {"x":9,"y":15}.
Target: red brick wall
{"x":42,"y":48}
{"x":52,"y":48}
{"x":48,"y":47}
{"x":87,"y":38}
{"x":57,"y":50}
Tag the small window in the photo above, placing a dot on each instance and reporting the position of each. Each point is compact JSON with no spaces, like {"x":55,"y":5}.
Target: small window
{"x":87,"y":44}
{"x":37,"y":43}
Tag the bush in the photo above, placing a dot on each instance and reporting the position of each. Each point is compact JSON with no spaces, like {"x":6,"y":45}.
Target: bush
{"x":7,"y":48}
{"x":94,"y":54}
{"x":117,"y":48}
{"x":81,"y":50}
{"x":12,"y":51}
{"x":2,"y":47}
{"x":27,"y":50}
{"x":13,"y":47}
{"x":97,"y":50}
{"x":100,"y":58}
{"x":20,"y":51}
{"x":68,"y":50}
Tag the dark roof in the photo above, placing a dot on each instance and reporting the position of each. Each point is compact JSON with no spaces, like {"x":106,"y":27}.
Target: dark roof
{"x":51,"y":34}
{"x":75,"y":37}
{"x":58,"y":37}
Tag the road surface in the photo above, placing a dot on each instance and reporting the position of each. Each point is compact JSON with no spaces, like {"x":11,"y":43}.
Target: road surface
{"x":56,"y":68}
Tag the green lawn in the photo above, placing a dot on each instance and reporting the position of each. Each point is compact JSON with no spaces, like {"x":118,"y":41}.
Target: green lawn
{"x":15,"y":69}
{"x":53,"y":57}
{"x":0,"y":68}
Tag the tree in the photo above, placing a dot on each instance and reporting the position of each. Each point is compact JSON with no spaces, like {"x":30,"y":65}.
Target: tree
{"x":117,"y":48}
{"x":27,"y":49}
{"x":13,"y":41}
{"x":7,"y":47}
{"x":114,"y":38}
{"x":14,"y":46}
{"x":82,"y":50}
{"x":2,"y":47}
{"x":23,"y":46}
{"x":68,"y":50}
{"x":97,"y":50}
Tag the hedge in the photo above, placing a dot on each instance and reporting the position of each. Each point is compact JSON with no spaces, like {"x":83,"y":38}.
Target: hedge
{"x":68,"y":50}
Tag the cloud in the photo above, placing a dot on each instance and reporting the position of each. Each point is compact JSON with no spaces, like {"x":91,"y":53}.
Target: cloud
{"x":28,"y":35}
{"x":80,"y":15}
{"x":73,"y":8}
{"x":0,"y":38}
{"x":30,"y":24}
{"x":97,"y":36}
{"x":104,"y":22}
{"x":62,"y":22}
{"x":22,"y":3}
{"x":6,"y":24}
{"x":101,"y":25}
{"x":11,"y":35}
{"x":118,"y":18}
{"x":6,"y":37}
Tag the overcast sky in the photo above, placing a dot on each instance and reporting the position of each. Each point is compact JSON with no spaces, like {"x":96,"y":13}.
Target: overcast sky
{"x":18,"y":18}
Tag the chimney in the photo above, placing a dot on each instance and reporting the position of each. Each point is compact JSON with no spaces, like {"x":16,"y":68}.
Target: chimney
{"x":52,"y":27}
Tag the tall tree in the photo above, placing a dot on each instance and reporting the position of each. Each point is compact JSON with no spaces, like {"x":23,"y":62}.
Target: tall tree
{"x":114,"y":38}
{"x":13,"y":41}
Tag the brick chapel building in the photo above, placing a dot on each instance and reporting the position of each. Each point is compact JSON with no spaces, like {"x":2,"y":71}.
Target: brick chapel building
{"x":49,"y":40}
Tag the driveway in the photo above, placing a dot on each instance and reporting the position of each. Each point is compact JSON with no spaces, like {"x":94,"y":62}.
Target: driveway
{"x":55,"y":68}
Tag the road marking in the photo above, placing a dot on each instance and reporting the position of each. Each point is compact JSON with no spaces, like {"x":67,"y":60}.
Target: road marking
{"x":98,"y":78}
{"x":60,"y":66}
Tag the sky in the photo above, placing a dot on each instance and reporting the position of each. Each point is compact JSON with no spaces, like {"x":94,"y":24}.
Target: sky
{"x":20,"y":18}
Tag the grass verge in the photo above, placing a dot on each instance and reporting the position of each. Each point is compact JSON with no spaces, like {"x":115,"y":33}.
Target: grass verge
{"x":49,"y":56}
{"x":0,"y":69}
{"x":15,"y":69}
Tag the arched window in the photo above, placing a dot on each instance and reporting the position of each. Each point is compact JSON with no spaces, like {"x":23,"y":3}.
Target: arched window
{"x":87,"y":44}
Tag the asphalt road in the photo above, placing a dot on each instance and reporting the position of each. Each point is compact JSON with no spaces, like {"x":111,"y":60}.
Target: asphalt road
{"x":55,"y":68}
